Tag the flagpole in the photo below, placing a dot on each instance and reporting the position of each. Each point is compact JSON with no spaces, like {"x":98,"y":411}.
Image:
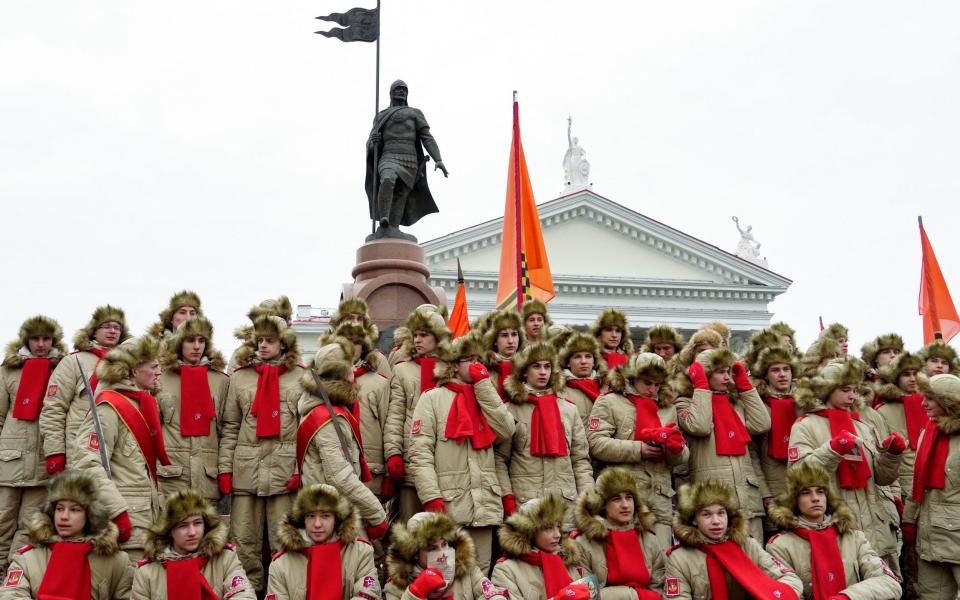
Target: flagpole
{"x":376,"y":147}
{"x":516,"y":193}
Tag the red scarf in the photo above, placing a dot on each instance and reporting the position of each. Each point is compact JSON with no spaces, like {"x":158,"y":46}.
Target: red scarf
{"x":184,"y":579}
{"x":505,"y":369}
{"x":324,"y":572}
{"x":826,"y":562}
{"x":930,"y":469}
{"x":151,"y":414}
{"x":266,"y":404}
{"x":626,"y":564}
{"x":68,"y":572}
{"x":647,"y":417}
{"x":465,"y":419}
{"x":196,"y":403}
{"x":357,"y":374}
{"x":915,"y":417}
{"x":729,"y":557}
{"x":547,"y":437}
{"x":427,"y":363}
{"x":783,"y":414}
{"x":33,"y":381}
{"x":590,"y":387}
{"x":730,"y":435}
{"x":852,"y":474}
{"x":555,"y":575}
{"x":100,"y":353}
{"x":615,"y":359}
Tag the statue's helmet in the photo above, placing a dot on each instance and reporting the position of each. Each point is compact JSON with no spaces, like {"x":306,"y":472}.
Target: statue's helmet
{"x":398,"y":83}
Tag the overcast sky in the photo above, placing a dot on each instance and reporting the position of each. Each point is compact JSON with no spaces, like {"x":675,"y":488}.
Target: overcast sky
{"x":219,"y":145}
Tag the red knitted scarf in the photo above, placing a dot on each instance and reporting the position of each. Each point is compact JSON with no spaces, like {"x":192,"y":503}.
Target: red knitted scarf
{"x":555,"y":575}
{"x":466,"y":421}
{"x":615,"y":359}
{"x":647,"y":417}
{"x":729,"y":433}
{"x":99,"y":353}
{"x":504,"y":369}
{"x":853,"y":471}
{"x":196,"y":403}
{"x":427,"y":363}
{"x":33,"y":382}
{"x":930,"y":469}
{"x":266,"y":403}
{"x":68,"y":572}
{"x":729,"y":557}
{"x":590,"y":387}
{"x":826,"y":562}
{"x":626,"y":564}
{"x":184,"y":579}
{"x":324,"y":571}
{"x":547,"y":437}
{"x":915,"y":417}
{"x":783,"y":414}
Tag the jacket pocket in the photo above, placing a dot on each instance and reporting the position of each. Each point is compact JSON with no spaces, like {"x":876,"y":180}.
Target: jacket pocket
{"x":170,"y":471}
{"x":246,"y":467}
{"x":11,"y":465}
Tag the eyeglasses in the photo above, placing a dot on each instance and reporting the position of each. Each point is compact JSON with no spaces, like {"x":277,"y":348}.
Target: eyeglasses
{"x":110,"y":327}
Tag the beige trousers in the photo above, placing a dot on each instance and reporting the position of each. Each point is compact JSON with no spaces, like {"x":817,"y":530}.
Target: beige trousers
{"x":247,"y":518}
{"x":17,"y":505}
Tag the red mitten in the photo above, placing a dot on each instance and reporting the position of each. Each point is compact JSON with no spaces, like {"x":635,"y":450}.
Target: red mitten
{"x":225,"y":483}
{"x":293,"y":484}
{"x":843,"y":443}
{"x":395,"y":468}
{"x":645,"y":594}
{"x":573,"y":592}
{"x":478,"y":372}
{"x":839,"y":597}
{"x":740,"y":377}
{"x":649,"y":435}
{"x":898,"y":502}
{"x":894,"y":444}
{"x":436,"y":505}
{"x":375,"y":532}
{"x":674,"y":443}
{"x":509,"y":505}
{"x":122,"y":521}
{"x":909,"y":532}
{"x":427,"y":582}
{"x":388,"y":488}
{"x":56,"y":463}
{"x":698,"y":375}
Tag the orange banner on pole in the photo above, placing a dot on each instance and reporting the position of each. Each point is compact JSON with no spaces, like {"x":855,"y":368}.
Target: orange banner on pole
{"x":524,"y":268}
{"x":459,"y":322}
{"x":940,"y":318}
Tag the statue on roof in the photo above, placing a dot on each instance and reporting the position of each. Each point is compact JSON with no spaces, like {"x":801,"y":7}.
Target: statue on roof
{"x":749,"y":247}
{"x":576,"y":169}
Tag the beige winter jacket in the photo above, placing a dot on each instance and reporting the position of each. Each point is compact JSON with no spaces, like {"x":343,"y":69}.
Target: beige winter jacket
{"x":582,"y":401}
{"x":374,"y":407}
{"x":404,"y":395}
{"x":21,"y":451}
{"x":524,"y":581}
{"x":260,"y":466}
{"x":464,"y":477}
{"x":742,"y":473}
{"x":890,"y":408}
{"x":194,"y":458}
{"x":66,"y":405}
{"x":774,"y":470}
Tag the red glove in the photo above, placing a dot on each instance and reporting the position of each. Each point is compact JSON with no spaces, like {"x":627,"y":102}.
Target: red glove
{"x":740,"y":377}
{"x":436,"y":505}
{"x":375,"y":532}
{"x":122,"y":521}
{"x":698,"y":376}
{"x":573,"y":592}
{"x":509,"y":505}
{"x":426,"y":583}
{"x":293,"y":484}
{"x":650,"y":436}
{"x":898,"y":502}
{"x":909,"y":532}
{"x":894,"y":444}
{"x":225,"y":483}
{"x":645,"y":594}
{"x":843,"y":443}
{"x":839,"y":597}
{"x":56,"y":463}
{"x":478,"y":372}
{"x":395,"y":468}
{"x":388,"y":488}
{"x":675,"y":441}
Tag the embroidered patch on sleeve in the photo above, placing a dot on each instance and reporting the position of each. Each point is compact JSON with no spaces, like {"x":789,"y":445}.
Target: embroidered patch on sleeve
{"x":93,"y":443}
{"x":671,"y":586}
{"x":594,"y":424}
{"x":783,"y":568}
{"x":683,"y":414}
{"x":363,"y":594}
{"x":369,"y":581}
{"x":415,"y":428}
{"x":270,"y":596}
{"x":237,"y":585}
{"x":793,"y":454}
{"x":13,"y":578}
{"x":52,"y":390}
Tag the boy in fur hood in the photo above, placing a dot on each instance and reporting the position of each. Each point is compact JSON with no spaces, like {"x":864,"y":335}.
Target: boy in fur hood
{"x":822,"y":544}
{"x":617,"y":540}
{"x":431,"y":537}
{"x":355,"y":311}
{"x":716,"y":556}
{"x":539,"y":562}
{"x":257,"y":458}
{"x":323,"y":555}
{"x":503,"y":338}
{"x":584,"y":372}
{"x":320,"y":456}
{"x":634,"y":426}
{"x":719,"y":410}
{"x":612,"y":330}
{"x":664,"y":341}
{"x":412,"y":376}
{"x":67,"y":401}
{"x":774,"y":372}
{"x":536,"y":321}
{"x":880,"y":352}
{"x":820,"y":353}
{"x":898,"y":400}
{"x":192,"y":397}
{"x":182,"y":306}
{"x":455,"y":426}
{"x":839,"y":333}
{"x":24,"y":375}
{"x":187,"y":555}
{"x":939,"y":358}
{"x":271,"y":307}
{"x":548,"y":453}
{"x":74,"y":552}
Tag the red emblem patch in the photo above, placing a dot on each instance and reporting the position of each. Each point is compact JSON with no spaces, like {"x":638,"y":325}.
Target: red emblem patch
{"x":52,"y":390}
{"x":415,"y":428}
{"x":94,"y":442}
{"x":13,"y":578}
{"x":671,"y":586}
{"x":270,"y":596}
{"x":369,"y":581}
{"x":594,"y":423}
{"x":237,"y":585}
{"x":793,"y":454}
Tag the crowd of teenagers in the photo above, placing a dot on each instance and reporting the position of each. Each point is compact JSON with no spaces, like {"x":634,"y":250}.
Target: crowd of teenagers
{"x":522,"y":460}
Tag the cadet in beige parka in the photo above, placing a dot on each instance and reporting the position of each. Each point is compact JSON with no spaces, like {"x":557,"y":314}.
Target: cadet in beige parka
{"x":773,"y":371}
{"x":939,"y":358}
{"x":182,"y":306}
{"x":271,"y":307}
{"x":503,"y":338}
{"x":67,"y":401}
{"x":898,"y":400}
{"x":192,"y":398}
{"x":634,"y":427}
{"x":74,"y":551}
{"x":612,"y":331}
{"x":664,"y":341}
{"x":27,"y":364}
{"x":720,"y":410}
{"x":259,"y":439}
{"x":821,"y":542}
{"x":187,"y":551}
{"x":452,"y":458}
{"x":584,"y":372}
{"x":354,"y":311}
{"x":617,"y":540}
{"x":536,"y":321}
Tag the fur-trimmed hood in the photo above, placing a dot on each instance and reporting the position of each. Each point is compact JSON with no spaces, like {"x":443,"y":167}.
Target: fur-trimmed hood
{"x":723,"y":329}
{"x":944,"y":389}
{"x":536,"y":307}
{"x":765,"y":338}
{"x":355,"y":306}
{"x":870,"y":350}
{"x":332,"y":364}
{"x":691,"y":499}
{"x":418,"y":534}
{"x":246,"y":355}
{"x":645,"y":365}
{"x":836,"y":332}
{"x":768,"y":357}
{"x":938,"y":349}
{"x":271,"y":307}
{"x":170,"y":357}
{"x":18,"y":350}
{"x":431,"y":319}
{"x":536,"y":352}
{"x":118,"y":365}
{"x":785,"y":514}
{"x":712,"y":360}
{"x":469,"y":344}
{"x":517,"y":532}
{"x":786,"y":333}
{"x":83,"y":339}
{"x":177,"y":301}
{"x":662,"y":334}
{"x":318,"y":498}
{"x":177,"y":507}
{"x":812,"y":392}
{"x":825,"y":348}
{"x":905,"y":361}
{"x":582,"y":342}
{"x":614,"y":318}
{"x":497,"y":322}
{"x":79,"y":487}
{"x":592,"y":503}
{"x":704,"y":336}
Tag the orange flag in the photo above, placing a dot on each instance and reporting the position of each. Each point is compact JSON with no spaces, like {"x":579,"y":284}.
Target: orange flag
{"x":459,"y":322}
{"x":939,"y":314}
{"x":524,"y":268}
